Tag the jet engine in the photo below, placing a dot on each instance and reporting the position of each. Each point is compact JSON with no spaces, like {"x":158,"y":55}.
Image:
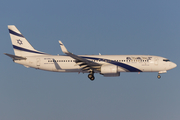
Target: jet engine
{"x":110,"y":70}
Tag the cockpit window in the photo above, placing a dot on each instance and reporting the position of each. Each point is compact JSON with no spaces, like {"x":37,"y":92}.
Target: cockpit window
{"x":166,"y":60}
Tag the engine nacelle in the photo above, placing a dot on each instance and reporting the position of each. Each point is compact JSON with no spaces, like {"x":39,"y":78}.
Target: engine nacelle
{"x":109,"y":70}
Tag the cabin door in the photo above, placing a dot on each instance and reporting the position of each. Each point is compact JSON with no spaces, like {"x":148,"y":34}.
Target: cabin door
{"x":155,"y":61}
{"x":38,"y":62}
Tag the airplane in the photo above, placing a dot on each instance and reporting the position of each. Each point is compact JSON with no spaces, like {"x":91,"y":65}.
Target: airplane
{"x":106,"y":65}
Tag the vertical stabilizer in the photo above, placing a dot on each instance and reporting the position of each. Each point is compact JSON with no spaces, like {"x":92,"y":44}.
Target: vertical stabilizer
{"x":21,"y":46}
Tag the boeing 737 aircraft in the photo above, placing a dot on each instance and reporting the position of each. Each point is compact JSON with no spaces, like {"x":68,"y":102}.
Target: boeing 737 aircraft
{"x":106,"y":65}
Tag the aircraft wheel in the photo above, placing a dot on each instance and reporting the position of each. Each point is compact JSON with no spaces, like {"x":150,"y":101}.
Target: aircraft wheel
{"x":91,"y":77}
{"x":158,"y":76}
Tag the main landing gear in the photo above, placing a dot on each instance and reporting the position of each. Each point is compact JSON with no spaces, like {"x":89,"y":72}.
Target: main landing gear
{"x":91,"y":76}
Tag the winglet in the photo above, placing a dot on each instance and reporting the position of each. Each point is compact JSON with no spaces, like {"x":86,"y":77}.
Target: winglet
{"x":63,"y":48}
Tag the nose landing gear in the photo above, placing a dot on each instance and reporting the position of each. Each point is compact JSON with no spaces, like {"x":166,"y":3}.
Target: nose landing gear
{"x":159,"y":76}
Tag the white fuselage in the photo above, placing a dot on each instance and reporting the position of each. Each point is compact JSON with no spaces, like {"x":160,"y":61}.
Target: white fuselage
{"x":125,"y":63}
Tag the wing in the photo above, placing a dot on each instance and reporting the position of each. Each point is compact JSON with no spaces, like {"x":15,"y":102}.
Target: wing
{"x":86,"y":65}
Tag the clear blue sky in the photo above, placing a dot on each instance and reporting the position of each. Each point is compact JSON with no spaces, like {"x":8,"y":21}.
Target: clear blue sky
{"x":147,"y":27}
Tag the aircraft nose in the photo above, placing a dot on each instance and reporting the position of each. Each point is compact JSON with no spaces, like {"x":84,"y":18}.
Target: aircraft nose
{"x":173,"y":65}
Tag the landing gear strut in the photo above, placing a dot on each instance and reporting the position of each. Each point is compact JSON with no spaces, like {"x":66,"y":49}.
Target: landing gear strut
{"x":158,"y":76}
{"x":91,"y":76}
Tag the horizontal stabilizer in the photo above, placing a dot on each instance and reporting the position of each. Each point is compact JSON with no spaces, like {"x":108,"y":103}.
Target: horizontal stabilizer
{"x":14,"y":57}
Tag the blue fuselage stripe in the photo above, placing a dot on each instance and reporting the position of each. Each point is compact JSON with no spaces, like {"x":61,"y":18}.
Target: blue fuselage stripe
{"x":122,"y":65}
